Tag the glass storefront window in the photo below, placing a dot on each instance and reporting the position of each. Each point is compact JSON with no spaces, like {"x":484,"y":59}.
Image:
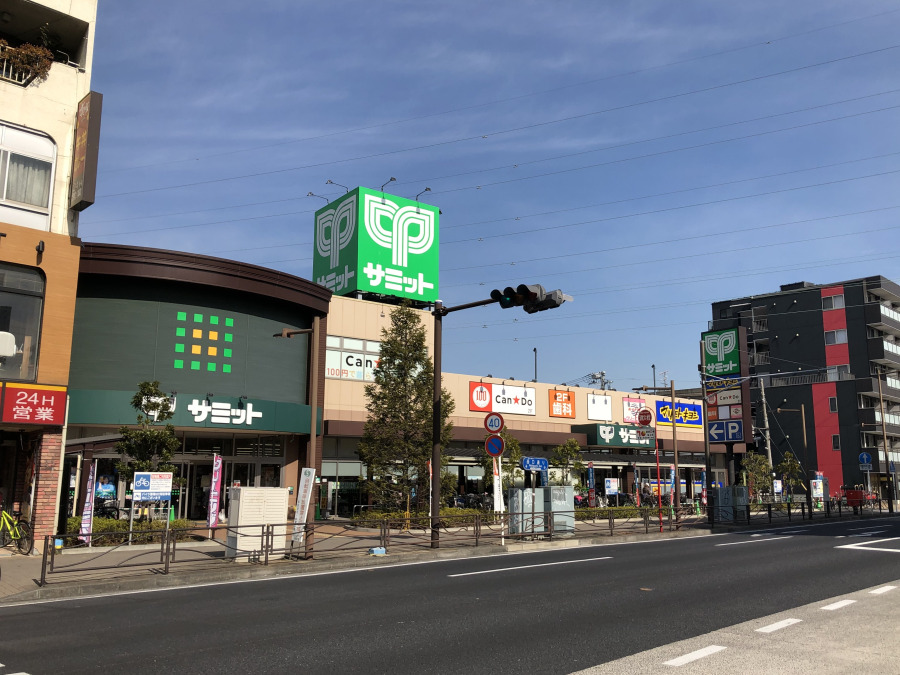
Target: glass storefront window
{"x":21,"y":303}
{"x":208,"y":445}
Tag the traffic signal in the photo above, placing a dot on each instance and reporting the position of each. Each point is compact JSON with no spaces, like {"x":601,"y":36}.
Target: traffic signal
{"x":530,"y":297}
{"x":508,"y":297}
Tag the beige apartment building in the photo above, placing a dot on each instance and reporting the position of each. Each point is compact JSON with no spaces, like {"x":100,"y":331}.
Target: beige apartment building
{"x":49,"y":127}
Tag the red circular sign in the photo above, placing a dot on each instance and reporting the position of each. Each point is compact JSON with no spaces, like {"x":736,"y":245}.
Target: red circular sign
{"x":645,"y":417}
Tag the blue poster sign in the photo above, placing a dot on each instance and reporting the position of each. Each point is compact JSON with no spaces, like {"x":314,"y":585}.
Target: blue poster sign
{"x":686,"y":414}
{"x":534,"y":464}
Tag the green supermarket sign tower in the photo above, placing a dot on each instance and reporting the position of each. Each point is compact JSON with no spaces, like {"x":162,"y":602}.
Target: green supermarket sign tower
{"x":374,"y":242}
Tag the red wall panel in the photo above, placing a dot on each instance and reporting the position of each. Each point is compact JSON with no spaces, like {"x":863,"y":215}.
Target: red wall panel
{"x":826,"y":425}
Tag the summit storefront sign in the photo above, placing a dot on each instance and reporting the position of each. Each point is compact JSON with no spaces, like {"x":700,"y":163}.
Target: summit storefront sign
{"x":501,"y":398}
{"x":374,"y":242}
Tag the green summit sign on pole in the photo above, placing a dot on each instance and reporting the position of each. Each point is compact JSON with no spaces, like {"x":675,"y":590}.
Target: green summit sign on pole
{"x":722,"y":352}
{"x":373,"y":242}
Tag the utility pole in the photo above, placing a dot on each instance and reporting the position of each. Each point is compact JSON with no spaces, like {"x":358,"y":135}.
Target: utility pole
{"x":765,"y":411}
{"x":676,"y":498}
{"x":707,"y":486}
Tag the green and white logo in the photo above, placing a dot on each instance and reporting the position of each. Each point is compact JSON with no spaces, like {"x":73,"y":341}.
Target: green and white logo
{"x":393,"y":252}
{"x":721,"y":347}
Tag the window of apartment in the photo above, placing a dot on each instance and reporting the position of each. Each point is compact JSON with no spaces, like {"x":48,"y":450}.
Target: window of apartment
{"x":835,"y":442}
{"x":832,"y":404}
{"x":26,"y":177}
{"x":838,"y":372}
{"x":836,"y":337}
{"x":21,"y":303}
{"x":833,"y":302}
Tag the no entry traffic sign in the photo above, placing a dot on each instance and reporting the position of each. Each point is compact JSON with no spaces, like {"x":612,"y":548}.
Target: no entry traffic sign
{"x":494,"y":445}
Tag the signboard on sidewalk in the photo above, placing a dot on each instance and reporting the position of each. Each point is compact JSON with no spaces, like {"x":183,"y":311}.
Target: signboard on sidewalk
{"x":152,"y":486}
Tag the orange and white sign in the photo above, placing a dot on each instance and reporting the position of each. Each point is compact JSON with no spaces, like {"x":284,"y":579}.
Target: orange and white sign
{"x":562,"y":404}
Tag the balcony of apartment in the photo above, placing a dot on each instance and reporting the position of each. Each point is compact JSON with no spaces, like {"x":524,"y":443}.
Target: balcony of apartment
{"x":787,"y":380}
{"x":871,"y":418}
{"x":27,"y":28}
{"x":885,"y":319}
{"x":884,"y":352}
{"x":890,"y":387}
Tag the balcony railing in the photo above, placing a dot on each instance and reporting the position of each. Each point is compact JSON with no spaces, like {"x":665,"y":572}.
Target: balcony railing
{"x":9,"y":74}
{"x":761,"y":359}
{"x":890,"y":313}
{"x":891,"y":418}
{"x":760,"y":325}
{"x":815,"y":378}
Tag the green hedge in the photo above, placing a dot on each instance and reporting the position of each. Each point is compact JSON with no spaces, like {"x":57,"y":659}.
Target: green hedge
{"x":112,"y":531}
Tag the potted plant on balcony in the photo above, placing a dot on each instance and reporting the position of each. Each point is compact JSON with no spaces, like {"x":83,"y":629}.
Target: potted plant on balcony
{"x":26,"y":63}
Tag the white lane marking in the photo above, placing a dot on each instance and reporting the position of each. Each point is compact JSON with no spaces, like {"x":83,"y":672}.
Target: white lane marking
{"x":883,"y":589}
{"x":867,"y":527}
{"x":870,"y":546}
{"x":868,"y":534}
{"x":751,"y":541}
{"x":771,"y":628}
{"x":525,"y":567}
{"x":838,"y":605}
{"x":693,"y":656}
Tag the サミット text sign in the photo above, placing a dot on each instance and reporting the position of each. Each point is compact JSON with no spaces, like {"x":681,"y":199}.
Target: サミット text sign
{"x":374,"y":242}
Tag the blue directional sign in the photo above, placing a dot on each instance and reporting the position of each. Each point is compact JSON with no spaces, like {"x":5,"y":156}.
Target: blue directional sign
{"x":534,"y":464}
{"x":726,"y":431}
{"x":865,"y":458}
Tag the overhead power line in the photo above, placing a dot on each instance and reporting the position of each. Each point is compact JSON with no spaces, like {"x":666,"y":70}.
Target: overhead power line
{"x":510,"y":130}
{"x":519,"y":97}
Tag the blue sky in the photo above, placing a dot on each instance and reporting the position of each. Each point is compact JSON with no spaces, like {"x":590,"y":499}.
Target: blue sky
{"x":648,"y":158}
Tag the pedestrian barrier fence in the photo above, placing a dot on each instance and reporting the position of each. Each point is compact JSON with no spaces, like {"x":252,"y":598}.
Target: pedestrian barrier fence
{"x":196,"y":548}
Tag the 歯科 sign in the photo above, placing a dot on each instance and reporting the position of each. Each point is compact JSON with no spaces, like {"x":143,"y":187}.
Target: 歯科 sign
{"x":370,"y":241}
{"x":562,"y":403}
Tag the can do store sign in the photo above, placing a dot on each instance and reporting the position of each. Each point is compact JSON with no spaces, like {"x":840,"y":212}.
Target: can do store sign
{"x":501,"y":398}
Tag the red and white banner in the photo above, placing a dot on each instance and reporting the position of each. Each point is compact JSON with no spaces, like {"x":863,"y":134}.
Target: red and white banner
{"x":215,"y":491}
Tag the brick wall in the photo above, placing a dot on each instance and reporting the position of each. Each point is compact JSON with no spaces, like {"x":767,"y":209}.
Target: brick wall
{"x":47,"y":470}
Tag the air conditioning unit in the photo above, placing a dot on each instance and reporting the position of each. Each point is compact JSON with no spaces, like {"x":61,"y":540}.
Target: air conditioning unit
{"x":250,"y":511}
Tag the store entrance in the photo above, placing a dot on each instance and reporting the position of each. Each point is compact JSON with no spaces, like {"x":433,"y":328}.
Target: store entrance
{"x":200,"y":482}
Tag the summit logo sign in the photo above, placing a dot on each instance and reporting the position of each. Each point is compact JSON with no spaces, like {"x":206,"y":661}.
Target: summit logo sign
{"x":722,"y":355}
{"x":373,"y":242}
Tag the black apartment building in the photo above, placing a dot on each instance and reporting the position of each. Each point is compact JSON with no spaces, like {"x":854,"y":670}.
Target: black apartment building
{"x":826,"y":356}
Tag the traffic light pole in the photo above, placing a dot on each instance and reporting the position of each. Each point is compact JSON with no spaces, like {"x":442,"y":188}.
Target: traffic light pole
{"x":439,"y":313}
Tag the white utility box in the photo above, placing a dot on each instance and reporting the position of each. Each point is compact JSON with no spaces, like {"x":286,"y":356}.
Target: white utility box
{"x":251,"y":508}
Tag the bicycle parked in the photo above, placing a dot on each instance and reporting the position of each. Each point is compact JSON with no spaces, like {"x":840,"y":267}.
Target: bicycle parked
{"x":14,"y":529}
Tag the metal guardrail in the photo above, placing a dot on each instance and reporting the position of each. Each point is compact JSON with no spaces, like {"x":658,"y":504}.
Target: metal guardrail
{"x":201,"y":547}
